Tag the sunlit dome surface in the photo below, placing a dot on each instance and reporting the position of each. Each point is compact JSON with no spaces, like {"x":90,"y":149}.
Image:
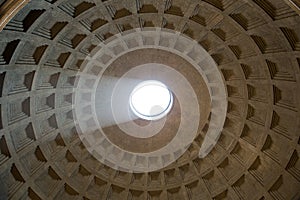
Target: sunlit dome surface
{"x":151,"y":100}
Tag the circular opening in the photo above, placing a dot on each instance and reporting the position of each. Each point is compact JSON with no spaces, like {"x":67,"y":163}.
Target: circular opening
{"x":151,"y":100}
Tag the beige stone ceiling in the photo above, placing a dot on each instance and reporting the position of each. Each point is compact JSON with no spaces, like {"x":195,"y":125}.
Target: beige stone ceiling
{"x":49,"y":44}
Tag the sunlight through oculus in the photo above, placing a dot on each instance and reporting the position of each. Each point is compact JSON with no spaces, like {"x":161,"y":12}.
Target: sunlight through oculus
{"x":151,"y":100}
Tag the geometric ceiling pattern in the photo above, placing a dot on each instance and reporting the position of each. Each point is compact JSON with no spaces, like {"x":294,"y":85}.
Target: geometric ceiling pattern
{"x":255,"y":46}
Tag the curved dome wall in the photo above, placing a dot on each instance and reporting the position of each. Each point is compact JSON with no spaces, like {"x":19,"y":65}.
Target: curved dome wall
{"x":55,"y":52}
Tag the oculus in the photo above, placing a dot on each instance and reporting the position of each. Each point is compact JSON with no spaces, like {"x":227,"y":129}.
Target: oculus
{"x":151,"y":100}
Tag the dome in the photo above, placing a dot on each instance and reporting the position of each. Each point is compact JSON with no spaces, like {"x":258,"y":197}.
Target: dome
{"x":150,"y":99}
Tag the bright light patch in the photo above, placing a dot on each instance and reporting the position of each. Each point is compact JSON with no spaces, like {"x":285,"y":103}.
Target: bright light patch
{"x":151,"y":100}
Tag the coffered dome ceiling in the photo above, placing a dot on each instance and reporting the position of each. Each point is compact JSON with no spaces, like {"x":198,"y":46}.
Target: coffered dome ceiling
{"x":67,"y":68}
